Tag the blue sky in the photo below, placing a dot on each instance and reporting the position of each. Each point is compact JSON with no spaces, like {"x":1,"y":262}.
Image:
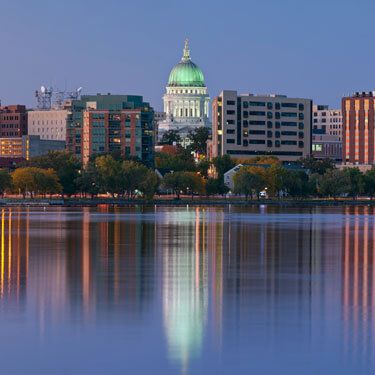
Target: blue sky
{"x":316,"y":49}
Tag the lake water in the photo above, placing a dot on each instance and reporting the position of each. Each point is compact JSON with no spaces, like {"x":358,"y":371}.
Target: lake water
{"x":187,"y":290}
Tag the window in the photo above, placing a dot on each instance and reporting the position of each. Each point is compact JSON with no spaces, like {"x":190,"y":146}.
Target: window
{"x":231,"y":102}
{"x":269,"y":115}
{"x":277,"y":125}
{"x":277,"y":143}
{"x":269,"y":124}
{"x":245,"y":142}
{"x":257,"y":141}
{"x":269,"y":143}
{"x":301,"y":125}
{"x":257,"y":113}
{"x":289,"y":105}
{"x":301,"y":116}
{"x":230,"y":131}
{"x":277,"y":134}
{"x":277,"y":115}
{"x":230,"y":112}
{"x":245,"y":114}
{"x":301,"y":144}
{"x":269,"y":106}
{"x":288,"y":123}
{"x":317,"y":147}
{"x":301,"y":135}
{"x":301,"y":107}
{"x":230,"y":122}
{"x":288,"y":114}
{"x":288,"y":133}
{"x":245,"y":104}
{"x":269,"y":134}
{"x":245,"y":123}
{"x":230,"y":140}
{"x":277,"y":106}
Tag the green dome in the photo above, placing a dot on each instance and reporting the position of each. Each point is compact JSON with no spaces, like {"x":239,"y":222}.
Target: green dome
{"x":186,"y":73}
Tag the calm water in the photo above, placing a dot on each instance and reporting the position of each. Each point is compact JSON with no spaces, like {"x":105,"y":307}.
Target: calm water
{"x":187,"y":290}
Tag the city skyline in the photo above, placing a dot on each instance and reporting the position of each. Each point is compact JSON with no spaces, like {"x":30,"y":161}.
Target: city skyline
{"x":289,"y":47}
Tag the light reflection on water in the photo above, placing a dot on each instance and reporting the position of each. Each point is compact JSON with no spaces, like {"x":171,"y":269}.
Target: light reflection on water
{"x":187,"y":290}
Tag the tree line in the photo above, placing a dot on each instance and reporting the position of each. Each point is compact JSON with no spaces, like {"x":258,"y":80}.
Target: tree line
{"x":180,"y":174}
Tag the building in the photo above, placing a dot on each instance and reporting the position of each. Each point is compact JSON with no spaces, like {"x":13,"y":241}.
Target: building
{"x":27,"y":146}
{"x":186,"y":101}
{"x":48,"y":124}
{"x":13,"y":121}
{"x":244,"y":126}
{"x":121,"y":124}
{"x":327,"y":121}
{"x":359,"y":128}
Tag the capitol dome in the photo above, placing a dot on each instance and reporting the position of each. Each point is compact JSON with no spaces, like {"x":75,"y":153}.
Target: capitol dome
{"x":186,"y":73}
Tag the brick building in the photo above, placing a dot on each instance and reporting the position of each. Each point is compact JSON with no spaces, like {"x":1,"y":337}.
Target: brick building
{"x":13,"y":121}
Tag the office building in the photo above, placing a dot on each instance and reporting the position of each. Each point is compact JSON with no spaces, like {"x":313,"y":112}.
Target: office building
{"x":13,"y":121}
{"x":244,"y":126}
{"x":48,"y":124}
{"x":121,"y":124}
{"x":358,"y":128}
{"x":325,"y":146}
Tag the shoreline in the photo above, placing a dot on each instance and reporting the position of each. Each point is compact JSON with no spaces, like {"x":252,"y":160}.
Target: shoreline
{"x":82,"y":202}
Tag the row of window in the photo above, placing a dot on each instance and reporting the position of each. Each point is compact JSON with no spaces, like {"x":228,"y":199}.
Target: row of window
{"x":269,"y":105}
{"x":278,"y":143}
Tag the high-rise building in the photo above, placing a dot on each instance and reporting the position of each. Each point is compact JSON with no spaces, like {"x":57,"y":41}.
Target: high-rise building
{"x":100,"y":124}
{"x":48,"y":124}
{"x":245,"y":126}
{"x":186,"y":101}
{"x":359,"y":128}
{"x":13,"y":121}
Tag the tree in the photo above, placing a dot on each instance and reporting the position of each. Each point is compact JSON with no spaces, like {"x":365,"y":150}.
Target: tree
{"x":369,"y":182}
{"x":185,"y":182}
{"x":64,"y":164}
{"x":223,"y":164}
{"x":296,"y":183}
{"x":215,"y":186}
{"x":150,"y":184}
{"x":274,"y":176}
{"x":198,"y":140}
{"x":23,"y":180}
{"x":203,"y":166}
{"x":171,"y":137}
{"x":248,"y":183}
{"x":88,"y":181}
{"x":320,"y":166}
{"x":5,"y":181}
{"x":356,"y":181}
{"x":182,"y":161}
{"x":110,"y":174}
{"x":334,"y":183}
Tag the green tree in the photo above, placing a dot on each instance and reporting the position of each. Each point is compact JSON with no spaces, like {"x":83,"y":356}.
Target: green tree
{"x":203,"y":166}
{"x":248,"y":183}
{"x":64,"y":164}
{"x":216,"y":186}
{"x":223,"y":164}
{"x":150,"y":184}
{"x":334,"y":183}
{"x":369,"y":182}
{"x":296,"y":183}
{"x":171,"y":137}
{"x":320,"y":166}
{"x":184,"y":182}
{"x":5,"y":181}
{"x":88,"y":181}
{"x":356,"y":181}
{"x":110,"y":174}
{"x":23,"y":180}
{"x":274,"y":176}
{"x":182,"y":161}
{"x":198,"y":140}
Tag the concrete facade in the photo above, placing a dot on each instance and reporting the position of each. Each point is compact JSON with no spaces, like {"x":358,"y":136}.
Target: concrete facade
{"x":49,"y":124}
{"x":327,"y":121}
{"x":325,"y":146}
{"x":244,"y":126}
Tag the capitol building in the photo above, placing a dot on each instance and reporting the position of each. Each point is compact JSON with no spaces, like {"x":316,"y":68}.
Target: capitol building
{"x":186,"y":101}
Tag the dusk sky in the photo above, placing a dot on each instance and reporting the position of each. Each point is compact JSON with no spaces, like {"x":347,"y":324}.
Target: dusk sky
{"x":315,"y":49}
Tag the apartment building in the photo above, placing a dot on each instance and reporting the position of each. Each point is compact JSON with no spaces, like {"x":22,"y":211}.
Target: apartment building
{"x":327,"y":121}
{"x":244,"y":126}
{"x":13,"y":121}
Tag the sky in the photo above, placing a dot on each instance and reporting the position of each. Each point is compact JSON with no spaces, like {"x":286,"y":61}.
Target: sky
{"x":317,"y":49}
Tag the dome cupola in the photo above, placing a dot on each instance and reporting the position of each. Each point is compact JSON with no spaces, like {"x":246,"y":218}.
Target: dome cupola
{"x":186,"y":73}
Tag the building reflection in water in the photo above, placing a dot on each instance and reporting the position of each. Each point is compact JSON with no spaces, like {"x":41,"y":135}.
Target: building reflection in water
{"x":258,"y":268}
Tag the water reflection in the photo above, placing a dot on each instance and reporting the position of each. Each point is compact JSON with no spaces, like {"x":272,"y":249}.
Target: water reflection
{"x":201,"y":284}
